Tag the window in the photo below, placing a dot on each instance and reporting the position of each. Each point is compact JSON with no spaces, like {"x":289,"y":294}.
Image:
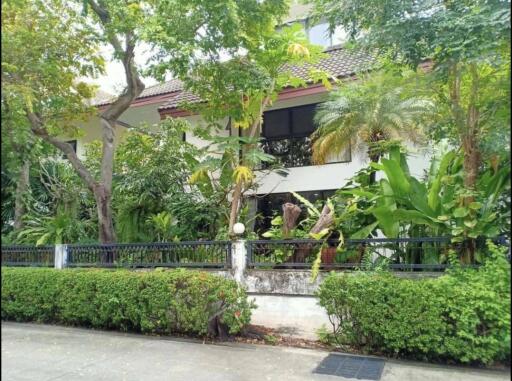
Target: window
{"x":271,"y":204}
{"x":319,"y":34}
{"x":286,"y":134}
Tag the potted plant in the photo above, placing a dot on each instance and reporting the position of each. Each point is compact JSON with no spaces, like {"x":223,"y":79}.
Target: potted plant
{"x":328,"y":255}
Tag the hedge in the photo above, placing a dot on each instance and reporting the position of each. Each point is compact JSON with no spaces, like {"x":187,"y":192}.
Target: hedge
{"x":463,"y":316}
{"x":162,"y":302}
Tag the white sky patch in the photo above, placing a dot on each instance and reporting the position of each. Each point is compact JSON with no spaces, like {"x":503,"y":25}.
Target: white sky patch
{"x":114,"y":80}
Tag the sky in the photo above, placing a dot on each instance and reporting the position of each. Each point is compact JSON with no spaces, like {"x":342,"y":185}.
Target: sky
{"x":113,"y":81}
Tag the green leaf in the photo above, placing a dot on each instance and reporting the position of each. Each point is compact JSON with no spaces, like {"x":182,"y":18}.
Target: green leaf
{"x":359,"y":192}
{"x":311,"y":208}
{"x":276,"y":221}
{"x":387,"y":222}
{"x":320,"y":234}
{"x":396,"y":177}
{"x":435,"y":187}
{"x":268,"y":234}
{"x":413,"y":216}
{"x":43,"y":239}
{"x":460,"y":212}
{"x":470,"y":223}
{"x":365,"y":231}
{"x":457,"y":231}
{"x":475,"y":205}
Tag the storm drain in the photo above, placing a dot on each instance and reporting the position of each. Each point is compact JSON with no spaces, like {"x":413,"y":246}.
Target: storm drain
{"x":360,"y":367}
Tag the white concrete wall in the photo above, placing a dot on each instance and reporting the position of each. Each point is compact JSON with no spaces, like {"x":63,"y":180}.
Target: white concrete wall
{"x":296,"y":316}
{"x":135,"y":116}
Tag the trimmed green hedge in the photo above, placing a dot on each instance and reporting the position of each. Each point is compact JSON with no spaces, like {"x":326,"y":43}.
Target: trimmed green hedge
{"x":162,"y":302}
{"x":463,"y":316}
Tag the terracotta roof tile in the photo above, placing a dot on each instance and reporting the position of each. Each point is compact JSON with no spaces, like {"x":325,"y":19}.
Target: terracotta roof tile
{"x":161,"y":88}
{"x":339,"y":63}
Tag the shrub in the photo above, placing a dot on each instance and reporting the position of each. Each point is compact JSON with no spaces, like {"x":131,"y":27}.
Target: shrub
{"x":462,"y":316}
{"x":163,"y":302}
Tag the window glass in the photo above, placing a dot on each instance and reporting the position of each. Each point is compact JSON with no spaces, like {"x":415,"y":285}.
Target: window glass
{"x":302,"y":120}
{"x":276,"y":123}
{"x":319,"y":35}
{"x":287,"y":133}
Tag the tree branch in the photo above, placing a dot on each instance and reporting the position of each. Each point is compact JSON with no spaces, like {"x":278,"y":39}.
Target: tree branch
{"x":39,"y":130}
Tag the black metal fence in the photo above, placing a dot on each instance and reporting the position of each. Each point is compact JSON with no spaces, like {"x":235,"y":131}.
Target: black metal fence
{"x":202,"y":254}
{"x":17,"y":255}
{"x":400,"y":254}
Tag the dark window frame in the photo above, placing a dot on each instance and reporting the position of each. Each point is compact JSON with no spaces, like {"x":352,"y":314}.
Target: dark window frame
{"x":296,"y":137}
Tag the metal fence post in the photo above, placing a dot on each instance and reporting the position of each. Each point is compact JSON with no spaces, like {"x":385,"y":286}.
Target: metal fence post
{"x":61,"y":256}
{"x":239,"y":259}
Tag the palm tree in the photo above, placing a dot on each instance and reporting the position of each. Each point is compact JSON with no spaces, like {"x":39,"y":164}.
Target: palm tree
{"x":363,"y":116}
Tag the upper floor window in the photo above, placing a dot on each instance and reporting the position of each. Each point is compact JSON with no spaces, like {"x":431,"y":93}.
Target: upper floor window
{"x":320,"y":34}
{"x":286,"y":134}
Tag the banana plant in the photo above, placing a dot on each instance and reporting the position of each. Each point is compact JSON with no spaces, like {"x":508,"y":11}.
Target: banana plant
{"x":401,"y":200}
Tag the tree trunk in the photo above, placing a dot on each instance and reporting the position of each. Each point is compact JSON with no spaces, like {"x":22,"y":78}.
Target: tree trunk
{"x":470,"y":136}
{"x":374,"y":158}
{"x":290,"y":214}
{"x":471,"y":162}
{"x":237,"y":193}
{"x":21,"y":189}
{"x":102,"y":190}
{"x":103,"y":199}
{"x":325,"y":221}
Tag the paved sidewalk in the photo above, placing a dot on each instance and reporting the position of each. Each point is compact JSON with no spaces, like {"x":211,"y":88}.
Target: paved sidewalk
{"x":33,"y":352}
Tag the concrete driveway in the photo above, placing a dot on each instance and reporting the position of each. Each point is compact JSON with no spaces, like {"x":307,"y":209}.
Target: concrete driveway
{"x":33,"y":352}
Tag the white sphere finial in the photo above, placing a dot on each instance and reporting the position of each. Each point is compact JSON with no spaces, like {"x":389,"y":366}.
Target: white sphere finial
{"x":238,"y":228}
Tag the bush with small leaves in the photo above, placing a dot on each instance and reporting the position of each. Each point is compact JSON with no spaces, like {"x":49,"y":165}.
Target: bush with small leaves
{"x":162,"y":302}
{"x":462,"y":316}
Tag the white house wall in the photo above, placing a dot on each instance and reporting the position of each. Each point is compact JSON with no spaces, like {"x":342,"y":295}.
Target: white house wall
{"x":136,"y":116}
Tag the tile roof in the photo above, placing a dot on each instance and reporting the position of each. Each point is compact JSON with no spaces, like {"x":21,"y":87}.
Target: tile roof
{"x":161,"y":88}
{"x":340,"y":62}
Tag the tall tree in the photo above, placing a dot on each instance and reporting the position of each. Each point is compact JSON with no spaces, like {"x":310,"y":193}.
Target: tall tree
{"x":51,"y":44}
{"x":44,"y":54}
{"x":48,"y":46}
{"x":365,"y":114}
{"x":469,"y":43}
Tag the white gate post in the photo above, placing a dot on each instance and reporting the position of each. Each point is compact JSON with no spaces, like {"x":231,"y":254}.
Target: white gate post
{"x":61,"y":256}
{"x":239,"y":259}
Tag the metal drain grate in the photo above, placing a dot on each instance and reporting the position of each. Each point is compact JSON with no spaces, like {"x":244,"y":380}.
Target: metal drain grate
{"x":360,"y":367}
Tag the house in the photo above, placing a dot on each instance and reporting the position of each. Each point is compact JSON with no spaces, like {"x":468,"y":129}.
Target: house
{"x":286,"y":128}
